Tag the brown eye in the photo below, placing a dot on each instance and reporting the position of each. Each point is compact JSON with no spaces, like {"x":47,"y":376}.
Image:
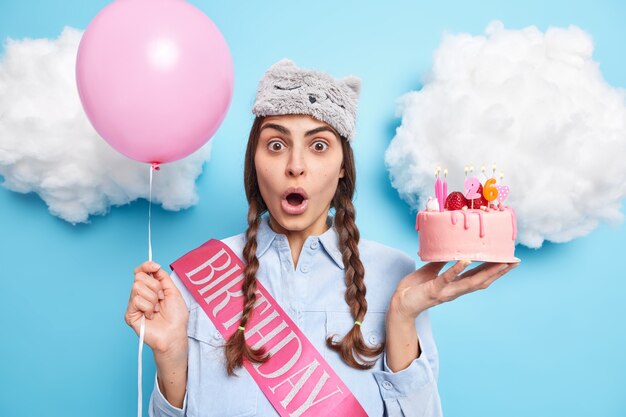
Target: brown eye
{"x":275,"y":146}
{"x":320,"y":146}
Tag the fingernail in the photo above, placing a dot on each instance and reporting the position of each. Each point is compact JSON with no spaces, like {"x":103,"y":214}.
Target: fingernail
{"x":156,"y":265}
{"x":503,"y":267}
{"x":157,"y":308}
{"x":161,"y":295}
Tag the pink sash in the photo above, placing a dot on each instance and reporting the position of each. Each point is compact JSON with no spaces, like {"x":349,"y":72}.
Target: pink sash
{"x":296,"y":379}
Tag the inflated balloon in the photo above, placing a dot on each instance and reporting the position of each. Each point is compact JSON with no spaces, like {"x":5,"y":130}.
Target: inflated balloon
{"x":155,"y":78}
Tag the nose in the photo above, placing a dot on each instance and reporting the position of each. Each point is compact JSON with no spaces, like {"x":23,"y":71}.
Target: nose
{"x":295,"y":164}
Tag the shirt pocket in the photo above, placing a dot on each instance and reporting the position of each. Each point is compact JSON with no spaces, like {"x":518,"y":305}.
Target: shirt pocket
{"x":339,"y":323}
{"x":202,"y":329}
{"x":211,"y":391}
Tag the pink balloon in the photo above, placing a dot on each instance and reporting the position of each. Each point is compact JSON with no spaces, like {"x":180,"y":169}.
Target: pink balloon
{"x":155,"y":78}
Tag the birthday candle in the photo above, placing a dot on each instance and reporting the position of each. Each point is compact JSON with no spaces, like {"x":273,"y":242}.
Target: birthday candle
{"x":445,"y":187}
{"x":489,"y":191}
{"x":471,"y":188}
{"x":503,"y":191}
{"x":439,"y":189}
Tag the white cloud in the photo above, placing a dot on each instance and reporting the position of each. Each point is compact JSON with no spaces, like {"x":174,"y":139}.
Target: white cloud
{"x":48,"y":146}
{"x":536,"y":104}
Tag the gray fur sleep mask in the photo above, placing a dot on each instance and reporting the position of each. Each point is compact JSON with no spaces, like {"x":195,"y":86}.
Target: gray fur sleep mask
{"x":287,"y":89}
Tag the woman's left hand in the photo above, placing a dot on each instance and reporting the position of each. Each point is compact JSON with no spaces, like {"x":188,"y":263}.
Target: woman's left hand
{"x":425,"y":288}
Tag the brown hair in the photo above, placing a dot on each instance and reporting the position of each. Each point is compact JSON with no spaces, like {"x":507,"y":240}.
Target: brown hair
{"x":352,"y":346}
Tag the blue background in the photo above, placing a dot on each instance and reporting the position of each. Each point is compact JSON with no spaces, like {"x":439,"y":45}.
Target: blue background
{"x":546,"y":340}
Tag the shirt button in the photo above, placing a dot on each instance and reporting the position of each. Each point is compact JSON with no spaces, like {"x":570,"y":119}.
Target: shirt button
{"x":373,"y":338}
{"x":304,"y":269}
{"x":314,"y":244}
{"x":217,"y":335}
{"x":387,"y":385}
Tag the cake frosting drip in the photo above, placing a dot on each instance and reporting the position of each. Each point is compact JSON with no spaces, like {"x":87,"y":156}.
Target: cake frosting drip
{"x":466,"y":224}
{"x":481,"y":223}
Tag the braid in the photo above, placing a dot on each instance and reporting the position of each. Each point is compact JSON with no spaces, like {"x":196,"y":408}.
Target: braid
{"x":236,"y":348}
{"x":352,"y":346}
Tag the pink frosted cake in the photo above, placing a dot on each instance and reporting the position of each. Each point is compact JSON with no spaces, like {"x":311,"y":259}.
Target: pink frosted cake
{"x":467,"y":228}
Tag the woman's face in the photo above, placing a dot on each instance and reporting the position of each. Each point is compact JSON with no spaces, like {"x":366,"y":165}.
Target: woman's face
{"x":298,"y":165}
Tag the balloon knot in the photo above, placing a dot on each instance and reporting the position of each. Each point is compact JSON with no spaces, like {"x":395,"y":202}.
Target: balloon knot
{"x":156,"y":166}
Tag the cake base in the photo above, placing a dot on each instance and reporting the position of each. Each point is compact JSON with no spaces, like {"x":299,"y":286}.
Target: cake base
{"x":476,"y":235}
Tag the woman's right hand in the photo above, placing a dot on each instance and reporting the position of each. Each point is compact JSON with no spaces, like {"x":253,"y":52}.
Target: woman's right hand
{"x":156,"y":297}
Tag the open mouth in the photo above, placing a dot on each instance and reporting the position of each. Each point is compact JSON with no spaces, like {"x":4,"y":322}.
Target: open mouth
{"x":294,"y":200}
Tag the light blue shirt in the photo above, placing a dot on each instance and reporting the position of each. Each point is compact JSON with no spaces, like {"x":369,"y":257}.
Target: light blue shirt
{"x":313,"y":296}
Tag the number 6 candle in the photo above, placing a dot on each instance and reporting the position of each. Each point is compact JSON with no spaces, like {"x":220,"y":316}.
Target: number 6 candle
{"x":489,"y":191}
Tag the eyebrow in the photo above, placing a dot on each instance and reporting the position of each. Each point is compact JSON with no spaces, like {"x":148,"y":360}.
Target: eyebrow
{"x":285,"y":131}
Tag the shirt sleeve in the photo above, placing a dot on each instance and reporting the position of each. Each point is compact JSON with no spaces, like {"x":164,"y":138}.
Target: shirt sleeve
{"x":160,"y":407}
{"x":413,"y":391}
{"x":410,"y":392}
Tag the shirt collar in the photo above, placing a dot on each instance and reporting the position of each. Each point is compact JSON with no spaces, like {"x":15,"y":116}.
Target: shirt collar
{"x":329,"y":239}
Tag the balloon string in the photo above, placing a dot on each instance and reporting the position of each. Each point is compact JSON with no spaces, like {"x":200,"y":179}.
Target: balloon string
{"x":154,"y":166}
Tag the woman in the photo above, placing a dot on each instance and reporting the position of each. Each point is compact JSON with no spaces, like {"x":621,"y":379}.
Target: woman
{"x":362,"y":305}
